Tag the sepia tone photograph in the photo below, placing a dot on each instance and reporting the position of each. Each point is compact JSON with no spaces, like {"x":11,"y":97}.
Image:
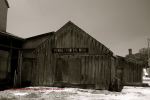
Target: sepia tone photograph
{"x":74,"y":49}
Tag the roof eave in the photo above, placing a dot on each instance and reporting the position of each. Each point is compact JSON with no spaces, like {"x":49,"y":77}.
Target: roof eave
{"x":10,"y":35}
{"x":33,"y":37}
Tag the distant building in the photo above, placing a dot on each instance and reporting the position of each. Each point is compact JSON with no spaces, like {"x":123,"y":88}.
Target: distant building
{"x":133,"y":68}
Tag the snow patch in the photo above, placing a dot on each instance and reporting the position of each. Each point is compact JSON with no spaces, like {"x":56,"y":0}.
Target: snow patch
{"x":20,"y":94}
{"x":54,"y":93}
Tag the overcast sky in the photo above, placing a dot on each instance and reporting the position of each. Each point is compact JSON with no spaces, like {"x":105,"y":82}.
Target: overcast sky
{"x":118,"y":24}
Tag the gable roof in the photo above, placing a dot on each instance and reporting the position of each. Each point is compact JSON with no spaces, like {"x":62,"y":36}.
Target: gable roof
{"x":70,"y":23}
{"x":41,"y":35}
{"x":35,"y":41}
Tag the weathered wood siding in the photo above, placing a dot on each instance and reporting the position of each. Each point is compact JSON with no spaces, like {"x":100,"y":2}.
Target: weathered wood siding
{"x":129,"y":72}
{"x":70,"y":36}
{"x":103,"y":72}
{"x":113,"y":68}
{"x":120,"y":67}
{"x":34,"y":42}
{"x":29,"y":45}
{"x":94,"y":67}
{"x":3,"y":15}
{"x":44,"y":66}
{"x":133,"y":73}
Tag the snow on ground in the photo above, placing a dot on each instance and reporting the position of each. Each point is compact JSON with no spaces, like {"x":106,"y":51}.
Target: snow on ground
{"x":54,"y":93}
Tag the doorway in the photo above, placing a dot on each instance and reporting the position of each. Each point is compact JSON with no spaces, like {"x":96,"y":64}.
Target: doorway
{"x":61,"y":74}
{"x":74,"y":70}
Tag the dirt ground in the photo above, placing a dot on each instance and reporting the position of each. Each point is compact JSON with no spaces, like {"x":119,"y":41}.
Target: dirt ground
{"x":54,"y":93}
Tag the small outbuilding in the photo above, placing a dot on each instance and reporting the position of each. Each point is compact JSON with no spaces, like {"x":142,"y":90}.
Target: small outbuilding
{"x":133,"y":69}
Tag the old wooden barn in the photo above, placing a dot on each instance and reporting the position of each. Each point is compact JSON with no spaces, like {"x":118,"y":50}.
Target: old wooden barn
{"x":68,"y":57}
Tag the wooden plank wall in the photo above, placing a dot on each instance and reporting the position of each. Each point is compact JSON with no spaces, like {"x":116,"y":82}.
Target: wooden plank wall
{"x":33,"y":42}
{"x":133,"y":73}
{"x":103,"y":73}
{"x":44,"y":66}
{"x":113,"y":69}
{"x":95,"y":70}
{"x":120,"y":68}
{"x":73,"y":37}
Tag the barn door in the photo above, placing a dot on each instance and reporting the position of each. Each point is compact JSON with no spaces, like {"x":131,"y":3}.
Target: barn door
{"x":74,"y":70}
{"x":61,"y":74}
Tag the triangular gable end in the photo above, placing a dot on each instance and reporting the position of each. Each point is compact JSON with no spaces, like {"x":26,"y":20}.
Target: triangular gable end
{"x":71,"y":24}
